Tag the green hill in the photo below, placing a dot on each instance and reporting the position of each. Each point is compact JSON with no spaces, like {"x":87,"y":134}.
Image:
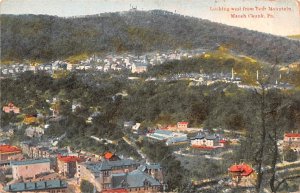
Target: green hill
{"x":42,"y":37}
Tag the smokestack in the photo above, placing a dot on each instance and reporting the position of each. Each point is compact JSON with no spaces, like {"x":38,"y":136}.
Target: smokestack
{"x":257,"y":75}
{"x":232,"y":74}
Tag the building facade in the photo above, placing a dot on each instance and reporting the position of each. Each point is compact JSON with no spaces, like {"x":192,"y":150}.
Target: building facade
{"x":67,"y":165}
{"x":242,"y":175}
{"x":8,"y":152}
{"x":292,"y":140}
{"x":28,"y":169}
{"x":206,"y":141}
{"x":100,"y":173}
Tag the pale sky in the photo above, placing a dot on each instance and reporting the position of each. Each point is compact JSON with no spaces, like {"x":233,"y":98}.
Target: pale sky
{"x":285,"y":22}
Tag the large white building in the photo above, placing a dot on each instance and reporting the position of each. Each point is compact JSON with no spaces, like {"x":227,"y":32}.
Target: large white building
{"x":206,"y":141}
{"x":168,"y":136}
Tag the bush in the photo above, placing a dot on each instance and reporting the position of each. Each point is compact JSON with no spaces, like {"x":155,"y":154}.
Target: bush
{"x":86,"y":187}
{"x":290,"y":155}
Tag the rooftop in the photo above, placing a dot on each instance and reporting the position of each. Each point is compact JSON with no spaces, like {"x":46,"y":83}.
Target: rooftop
{"x":9,"y":149}
{"x":68,"y":159}
{"x":149,"y":166}
{"x":242,"y":169}
{"x":36,"y":186}
{"x":183,"y":123}
{"x":108,"y":155}
{"x":29,"y":162}
{"x":119,"y":190}
{"x":109,"y":165}
{"x":292,"y":135}
{"x":163,"y":132}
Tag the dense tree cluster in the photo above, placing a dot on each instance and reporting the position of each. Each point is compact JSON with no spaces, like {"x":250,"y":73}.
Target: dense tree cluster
{"x":40,"y":37}
{"x":218,"y":105}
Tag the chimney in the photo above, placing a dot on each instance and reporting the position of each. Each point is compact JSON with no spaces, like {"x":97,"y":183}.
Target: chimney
{"x":257,"y":75}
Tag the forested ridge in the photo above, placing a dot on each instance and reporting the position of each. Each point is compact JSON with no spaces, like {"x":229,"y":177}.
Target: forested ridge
{"x":42,"y":37}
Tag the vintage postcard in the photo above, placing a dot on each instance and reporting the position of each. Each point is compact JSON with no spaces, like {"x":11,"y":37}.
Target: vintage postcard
{"x":150,"y":96}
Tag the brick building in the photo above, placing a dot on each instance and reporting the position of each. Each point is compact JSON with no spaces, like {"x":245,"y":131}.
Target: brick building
{"x":122,"y":176}
{"x":100,"y":173}
{"x":67,"y":165}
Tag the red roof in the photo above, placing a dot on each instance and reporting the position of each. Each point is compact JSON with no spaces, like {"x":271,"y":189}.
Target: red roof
{"x":204,"y":147}
{"x":10,"y":104}
{"x":292,"y":135}
{"x":9,"y":149}
{"x":183,"y":123}
{"x":68,"y":159}
{"x":120,"y":190}
{"x":243,"y":169}
{"x":108,"y":155}
{"x":223,"y":141}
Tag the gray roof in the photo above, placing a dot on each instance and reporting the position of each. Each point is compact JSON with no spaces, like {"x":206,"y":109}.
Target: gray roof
{"x":206,"y":136}
{"x":28,"y":162}
{"x":199,"y":136}
{"x":149,"y":166}
{"x":33,"y":186}
{"x":177,"y":139}
{"x":164,"y":132}
{"x":211,"y":137}
{"x":133,"y":179}
{"x":156,"y":136}
{"x":108,"y":165}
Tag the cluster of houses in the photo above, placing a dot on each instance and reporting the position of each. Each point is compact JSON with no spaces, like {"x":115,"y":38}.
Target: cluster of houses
{"x":177,"y":134}
{"x":134,"y":63}
{"x":38,"y":169}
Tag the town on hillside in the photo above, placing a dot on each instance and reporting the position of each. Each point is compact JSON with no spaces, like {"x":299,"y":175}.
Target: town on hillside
{"x":146,"y":102}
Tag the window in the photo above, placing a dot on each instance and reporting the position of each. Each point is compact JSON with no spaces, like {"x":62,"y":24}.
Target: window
{"x":105,"y":173}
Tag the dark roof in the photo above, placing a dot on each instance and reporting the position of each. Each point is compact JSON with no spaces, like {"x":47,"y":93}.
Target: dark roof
{"x":34,"y":186}
{"x":211,"y":137}
{"x":108,"y":165}
{"x":199,"y":136}
{"x":206,"y":136}
{"x":133,"y":179}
